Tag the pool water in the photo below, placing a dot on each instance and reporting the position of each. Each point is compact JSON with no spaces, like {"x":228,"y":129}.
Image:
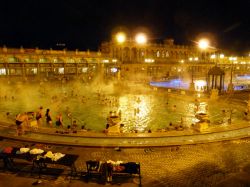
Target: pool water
{"x":90,"y":105}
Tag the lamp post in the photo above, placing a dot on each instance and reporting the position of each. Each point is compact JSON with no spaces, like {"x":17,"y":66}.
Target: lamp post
{"x":203,"y":44}
{"x":141,"y":39}
{"x":230,"y":87}
{"x":120,"y":39}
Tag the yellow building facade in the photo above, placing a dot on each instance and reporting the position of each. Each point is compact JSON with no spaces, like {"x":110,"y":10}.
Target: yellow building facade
{"x":126,"y":61}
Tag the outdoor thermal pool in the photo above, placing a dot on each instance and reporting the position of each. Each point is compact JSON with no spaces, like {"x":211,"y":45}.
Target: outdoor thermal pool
{"x":141,"y":108}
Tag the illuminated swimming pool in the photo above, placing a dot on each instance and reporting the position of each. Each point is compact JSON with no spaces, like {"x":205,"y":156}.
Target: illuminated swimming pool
{"x":140,"y":110}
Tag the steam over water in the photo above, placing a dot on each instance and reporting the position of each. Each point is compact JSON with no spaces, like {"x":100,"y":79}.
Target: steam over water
{"x":142,"y":108}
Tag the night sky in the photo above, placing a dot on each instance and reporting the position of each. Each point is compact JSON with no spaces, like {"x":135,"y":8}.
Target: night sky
{"x":84,"y":24}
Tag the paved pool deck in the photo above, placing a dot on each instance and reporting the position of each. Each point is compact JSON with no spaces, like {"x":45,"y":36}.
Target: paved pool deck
{"x":217,"y":164}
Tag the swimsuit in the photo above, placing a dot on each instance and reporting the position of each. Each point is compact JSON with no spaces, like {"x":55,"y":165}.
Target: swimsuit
{"x":39,"y":116}
{"x":58,"y":123}
{"x":48,"y":118}
{"x":18,"y":122}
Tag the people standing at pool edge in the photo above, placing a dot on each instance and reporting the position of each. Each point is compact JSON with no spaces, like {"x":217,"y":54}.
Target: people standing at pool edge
{"x":48,"y":117}
{"x":21,"y":119}
{"x":59,"y":120}
{"x":39,"y":116}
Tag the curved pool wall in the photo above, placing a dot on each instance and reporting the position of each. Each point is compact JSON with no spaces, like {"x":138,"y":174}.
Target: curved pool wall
{"x":126,"y":140}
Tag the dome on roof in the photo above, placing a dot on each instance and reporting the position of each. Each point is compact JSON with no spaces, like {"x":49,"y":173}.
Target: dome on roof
{"x":216,"y":71}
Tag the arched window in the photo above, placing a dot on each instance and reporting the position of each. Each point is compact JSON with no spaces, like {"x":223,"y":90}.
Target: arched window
{"x":167,"y":54}
{"x":27,"y":60}
{"x":126,"y":53}
{"x":158,"y":54}
{"x":163,"y":54}
{"x":13,"y":59}
{"x":133,"y":53}
{"x":141,"y":53}
{"x":70,"y":60}
{"x":55,"y":60}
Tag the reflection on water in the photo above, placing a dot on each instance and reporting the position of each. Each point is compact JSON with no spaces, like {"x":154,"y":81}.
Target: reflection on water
{"x":136,"y":111}
{"x":90,"y":107}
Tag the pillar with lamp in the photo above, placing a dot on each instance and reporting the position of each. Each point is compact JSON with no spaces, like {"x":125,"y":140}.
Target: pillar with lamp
{"x":230,"y":88}
{"x":203,"y":44}
{"x":120,"y":38}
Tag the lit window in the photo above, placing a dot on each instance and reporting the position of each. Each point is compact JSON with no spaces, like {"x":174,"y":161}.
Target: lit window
{"x":158,"y":54}
{"x":61,"y":70}
{"x":34,"y":70}
{"x":41,"y":60}
{"x":149,"y":60}
{"x":213,"y":56}
{"x":84,"y":69}
{"x":113,"y":70}
{"x":71,"y":60}
{"x":12,"y":59}
{"x":163,"y":54}
{"x":2,"y":71}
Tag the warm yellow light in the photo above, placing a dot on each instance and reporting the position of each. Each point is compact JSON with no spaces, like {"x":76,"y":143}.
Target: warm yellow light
{"x":232,"y":58}
{"x":203,"y":44}
{"x":149,"y":60}
{"x":141,"y":38}
{"x":213,"y":56}
{"x":105,"y":61}
{"x":200,"y":83}
{"x":222,"y":56}
{"x":120,"y":37}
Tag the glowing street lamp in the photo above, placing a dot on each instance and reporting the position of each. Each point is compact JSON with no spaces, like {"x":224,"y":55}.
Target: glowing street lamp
{"x":141,"y":38}
{"x":203,"y":43}
{"x":120,"y":37}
